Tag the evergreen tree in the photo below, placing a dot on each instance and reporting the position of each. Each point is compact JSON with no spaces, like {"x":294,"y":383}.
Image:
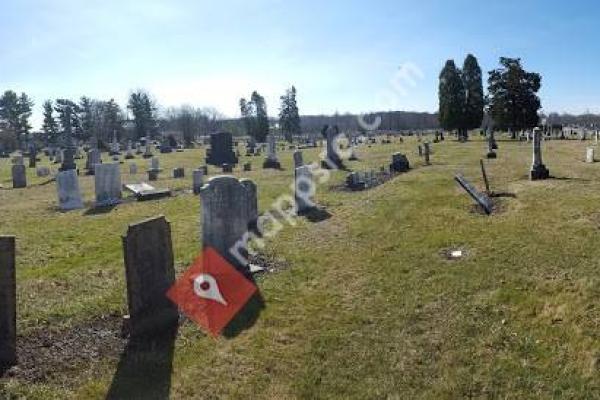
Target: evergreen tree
{"x":144,"y":114}
{"x":473,"y":85}
{"x":451,"y":98}
{"x":289,"y":118}
{"x":513,"y":100}
{"x":68,"y":115}
{"x":50,"y":126}
{"x":262,"y":119}
{"x":86,"y":116}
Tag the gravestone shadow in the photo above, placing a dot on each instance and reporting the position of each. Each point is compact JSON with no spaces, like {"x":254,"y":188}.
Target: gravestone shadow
{"x":503,"y":194}
{"x":246,"y":317}
{"x":99,"y":210}
{"x":145,"y":367}
{"x":316,"y":215}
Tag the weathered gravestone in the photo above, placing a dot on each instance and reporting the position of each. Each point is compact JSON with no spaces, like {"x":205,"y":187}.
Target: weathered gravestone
{"x":589,"y":155}
{"x":481,"y":199}
{"x":133,"y":169}
{"x":93,"y":158}
{"x":42,"y":172}
{"x":197,"y":180}
{"x":129,"y":154}
{"x":298,"y":161}
{"x":426,"y":152}
{"x":399,"y":163}
{"x":227,"y":168}
{"x":491,"y":144}
{"x":271,"y":161}
{"x":225,"y":219}
{"x":221,"y":150}
{"x":8,"y":302}
{"x":148,"y":150}
{"x":252,"y":204}
{"x":107,"y":184}
{"x":538,"y":169}
{"x":19,"y":176}
{"x":178,"y":173}
{"x":304,"y":190}
{"x":67,"y":185}
{"x":332,"y":160}
{"x":148,"y":254}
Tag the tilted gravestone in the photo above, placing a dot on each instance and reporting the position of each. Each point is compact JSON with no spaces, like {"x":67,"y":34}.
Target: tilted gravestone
{"x":19,"y":176}
{"x":225,"y":219}
{"x":481,"y":199}
{"x":8,"y":302}
{"x":304,"y":190}
{"x":67,"y":185}
{"x":221,"y":150}
{"x":107,"y":184}
{"x":148,"y":254}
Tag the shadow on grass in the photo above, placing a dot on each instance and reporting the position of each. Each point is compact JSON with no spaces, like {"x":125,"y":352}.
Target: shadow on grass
{"x":99,"y":210}
{"x":566,"y":178}
{"x":247,"y":316}
{"x":316,"y":215}
{"x":503,"y":194}
{"x":145,"y":367}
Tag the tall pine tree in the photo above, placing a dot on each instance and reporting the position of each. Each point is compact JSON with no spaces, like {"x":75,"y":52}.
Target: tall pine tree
{"x":289,"y":117}
{"x":451,"y":98}
{"x":474,"y":101}
{"x":50,"y":126}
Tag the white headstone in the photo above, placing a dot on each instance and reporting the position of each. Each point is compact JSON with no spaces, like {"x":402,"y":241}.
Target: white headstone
{"x":589,"y":155}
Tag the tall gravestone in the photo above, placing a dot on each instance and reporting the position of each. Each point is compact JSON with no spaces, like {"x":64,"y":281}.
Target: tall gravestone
{"x":8,"y":302}
{"x":67,"y":185}
{"x":589,"y":155}
{"x":221,"y":150}
{"x":197,"y":180}
{"x":149,"y":270}
{"x":298,"y":161}
{"x":271,"y":161}
{"x":538,"y":169}
{"x":225,"y":219}
{"x":93,"y":158}
{"x":108,"y":184}
{"x":491,"y":145}
{"x":19,"y":176}
{"x":333,"y":159}
{"x":148,"y":149}
{"x":252,"y":190}
{"x":304,"y":189}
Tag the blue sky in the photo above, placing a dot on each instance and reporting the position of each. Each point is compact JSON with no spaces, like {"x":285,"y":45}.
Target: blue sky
{"x":342,"y":55}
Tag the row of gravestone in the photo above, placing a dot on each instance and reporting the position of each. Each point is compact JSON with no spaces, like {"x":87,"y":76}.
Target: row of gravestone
{"x":229,"y":211}
{"x":368,"y":179}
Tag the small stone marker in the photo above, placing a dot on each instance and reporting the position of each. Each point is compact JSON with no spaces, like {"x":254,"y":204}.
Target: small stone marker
{"x":8,"y":302}
{"x":426,"y":152}
{"x":298,"y":161}
{"x":589,"y":155}
{"x":227,"y":168}
{"x":247,"y":167}
{"x":225,"y":219}
{"x":67,"y":185}
{"x":152,"y":175}
{"x":108,"y":184}
{"x":178,"y":173}
{"x":133,"y":169}
{"x":481,"y":199}
{"x":399,"y":163}
{"x":42,"y":172}
{"x":197,"y":180}
{"x":148,"y":254}
{"x":19,"y":176}
{"x":304,"y":190}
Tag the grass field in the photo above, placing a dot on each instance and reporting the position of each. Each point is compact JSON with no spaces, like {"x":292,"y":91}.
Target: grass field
{"x":367,"y":305}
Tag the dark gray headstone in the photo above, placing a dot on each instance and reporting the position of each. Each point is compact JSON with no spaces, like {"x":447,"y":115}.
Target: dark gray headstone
{"x":148,"y":254}
{"x":8,"y":302}
{"x":221,"y":150}
{"x":19,"y":176}
{"x":481,"y":199}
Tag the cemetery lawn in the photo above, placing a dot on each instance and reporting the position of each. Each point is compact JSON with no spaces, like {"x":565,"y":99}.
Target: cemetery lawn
{"x":364,"y":304}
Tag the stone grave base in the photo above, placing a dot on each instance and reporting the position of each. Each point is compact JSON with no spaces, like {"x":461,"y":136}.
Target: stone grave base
{"x":490,"y":155}
{"x":539,"y":172}
{"x":274,"y":164}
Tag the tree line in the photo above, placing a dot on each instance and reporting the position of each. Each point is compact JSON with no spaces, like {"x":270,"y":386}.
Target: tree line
{"x":511,"y":103}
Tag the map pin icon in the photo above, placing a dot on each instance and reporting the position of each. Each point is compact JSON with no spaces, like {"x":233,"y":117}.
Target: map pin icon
{"x":205,"y":286}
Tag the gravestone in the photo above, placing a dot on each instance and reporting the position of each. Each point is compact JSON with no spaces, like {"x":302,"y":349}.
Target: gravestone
{"x":333,"y":160}
{"x":538,"y":169}
{"x":221,"y":150}
{"x":154,"y":164}
{"x":426,"y":152}
{"x":399,"y":163}
{"x":67,"y":185}
{"x":42,"y":172}
{"x":32,"y":156}
{"x":298,"y":161}
{"x":420,"y":149}
{"x":304,"y":190}
{"x":115,"y":149}
{"x":252,"y":203}
{"x":248,"y":167}
{"x":225,"y":219}
{"x":19,"y":176}
{"x":149,"y":270}
{"x":271,"y":161}
{"x":197,"y":180}
{"x":178,"y":173}
{"x":93,"y":158}
{"x":148,"y":150}
{"x":133,"y":169}
{"x":8,"y":302}
{"x":129,"y":154}
{"x":227,"y":168}
{"x":491,"y":145}
{"x":165,"y":146}
{"x":589,"y":155}
{"x":152,"y":175}
{"x":107,"y":184}
{"x":481,"y":199}
{"x":17,"y":160}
